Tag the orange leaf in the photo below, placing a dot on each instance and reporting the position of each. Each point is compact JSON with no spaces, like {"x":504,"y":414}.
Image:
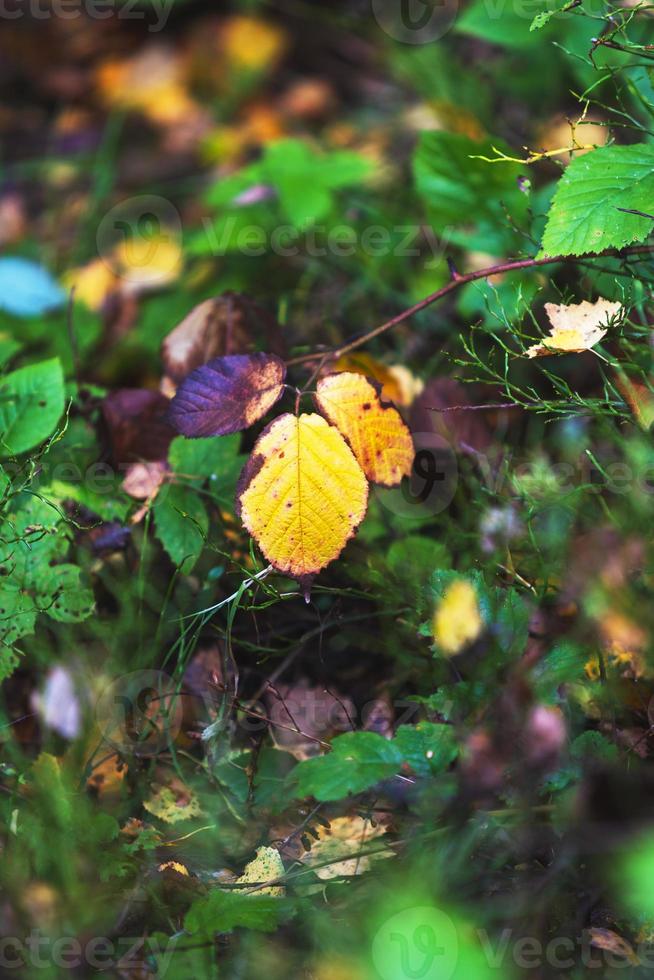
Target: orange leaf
{"x":379,"y":438}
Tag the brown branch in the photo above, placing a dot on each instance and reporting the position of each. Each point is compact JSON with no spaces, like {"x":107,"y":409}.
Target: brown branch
{"x":461,"y":280}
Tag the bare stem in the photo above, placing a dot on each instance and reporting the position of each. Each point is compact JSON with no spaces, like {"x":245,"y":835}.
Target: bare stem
{"x":455,"y":283}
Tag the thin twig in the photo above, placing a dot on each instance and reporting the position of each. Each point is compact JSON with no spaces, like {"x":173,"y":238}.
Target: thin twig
{"x":458,"y":281}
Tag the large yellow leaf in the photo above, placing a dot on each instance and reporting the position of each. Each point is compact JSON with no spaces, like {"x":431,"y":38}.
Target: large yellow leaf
{"x":376,"y":432}
{"x":302,"y":494}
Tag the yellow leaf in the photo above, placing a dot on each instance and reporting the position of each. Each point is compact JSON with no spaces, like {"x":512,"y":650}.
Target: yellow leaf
{"x":151,"y":82}
{"x":181,"y":869}
{"x":576,"y":328}
{"x":252,"y":44}
{"x":457,"y":620}
{"x":149,"y":262}
{"x":379,"y":438}
{"x":344,"y":837}
{"x":266,"y":866}
{"x":302,"y":494}
{"x":92,"y":283}
{"x":362,"y":363}
{"x":171,"y":806}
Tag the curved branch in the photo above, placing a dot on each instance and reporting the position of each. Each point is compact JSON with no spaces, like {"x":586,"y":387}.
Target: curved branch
{"x":459,"y":280}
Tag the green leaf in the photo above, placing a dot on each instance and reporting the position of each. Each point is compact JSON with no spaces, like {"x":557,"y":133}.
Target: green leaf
{"x":223,"y":911}
{"x":181,"y":524}
{"x":584,"y":215}
{"x":216,"y":458}
{"x":61,"y":594}
{"x":31,"y":404}
{"x":427,"y":747}
{"x":17,"y":618}
{"x":467,"y":197}
{"x":357,"y":761}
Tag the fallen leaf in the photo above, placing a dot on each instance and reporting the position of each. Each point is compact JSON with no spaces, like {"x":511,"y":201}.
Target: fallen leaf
{"x":640,"y":398}
{"x":266,"y":866}
{"x":143,"y":480}
{"x":576,"y":328}
{"x":152,"y":82}
{"x":613,"y":943}
{"x":135,"y":419}
{"x":227,"y":324}
{"x":173,"y":803}
{"x":376,"y":432}
{"x":227,"y":394}
{"x":344,"y":836}
{"x":148,"y":261}
{"x":302,"y":494}
{"x":316,"y":712}
{"x":92,"y":283}
{"x":252,"y":44}
{"x":457,"y":620}
{"x":174,"y":866}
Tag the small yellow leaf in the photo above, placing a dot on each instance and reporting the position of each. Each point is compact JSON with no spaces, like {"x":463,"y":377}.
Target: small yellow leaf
{"x":377,"y":434}
{"x":302,"y":494}
{"x":92,"y":283}
{"x":174,"y":866}
{"x":266,"y":866}
{"x":457,"y":620}
{"x":149,"y":262}
{"x":576,"y":328}
{"x":172,"y":806}
{"x":344,"y":837}
{"x":252,"y":44}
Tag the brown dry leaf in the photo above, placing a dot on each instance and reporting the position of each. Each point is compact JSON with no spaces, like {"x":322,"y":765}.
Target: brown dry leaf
{"x":316,"y":712}
{"x":107,"y":778}
{"x":640,"y":398}
{"x":613,"y":943}
{"x":143,"y":480}
{"x":135,"y":419}
{"x":219,"y":327}
{"x":344,"y":837}
{"x":309,"y":98}
{"x":577,"y":327}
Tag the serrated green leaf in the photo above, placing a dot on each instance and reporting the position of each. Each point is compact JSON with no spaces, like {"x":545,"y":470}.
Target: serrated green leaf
{"x":427,"y":747}
{"x":584,"y":215}
{"x":181,"y":523}
{"x":31,"y":404}
{"x":356,"y":762}
{"x":61,"y":594}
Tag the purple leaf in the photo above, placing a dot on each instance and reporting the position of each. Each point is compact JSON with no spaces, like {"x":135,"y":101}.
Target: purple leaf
{"x":227,"y":394}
